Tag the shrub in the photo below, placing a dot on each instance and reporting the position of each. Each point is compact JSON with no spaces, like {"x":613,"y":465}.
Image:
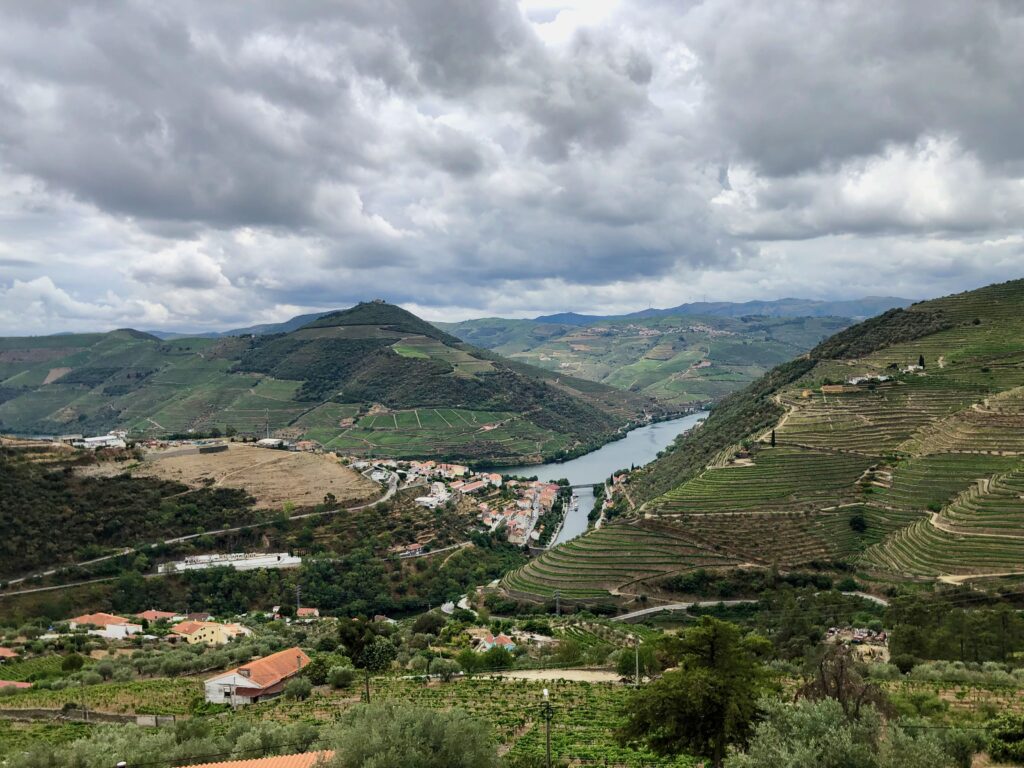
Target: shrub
{"x":341,"y":677}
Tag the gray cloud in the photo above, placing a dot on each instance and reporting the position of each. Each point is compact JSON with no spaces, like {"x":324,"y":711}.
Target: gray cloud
{"x":197,"y":165}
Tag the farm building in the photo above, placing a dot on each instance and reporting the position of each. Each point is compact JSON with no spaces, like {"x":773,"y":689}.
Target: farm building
{"x":6,"y":654}
{"x":257,"y":680}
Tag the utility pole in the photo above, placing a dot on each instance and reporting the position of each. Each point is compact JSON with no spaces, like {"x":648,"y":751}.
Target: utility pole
{"x":548,"y":713}
{"x":636,"y":649}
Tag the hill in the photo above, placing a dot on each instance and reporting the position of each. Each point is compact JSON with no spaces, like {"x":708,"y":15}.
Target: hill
{"x":857,"y":309}
{"x":877,"y":465}
{"x":373,"y":379}
{"x":678,"y":359}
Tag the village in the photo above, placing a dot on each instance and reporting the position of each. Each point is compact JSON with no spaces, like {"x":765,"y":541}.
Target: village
{"x":517,"y":505}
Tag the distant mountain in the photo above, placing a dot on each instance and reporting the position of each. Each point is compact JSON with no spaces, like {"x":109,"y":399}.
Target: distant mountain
{"x":264,"y":329}
{"x":373,"y":379}
{"x":678,"y":359}
{"x":857,"y":309}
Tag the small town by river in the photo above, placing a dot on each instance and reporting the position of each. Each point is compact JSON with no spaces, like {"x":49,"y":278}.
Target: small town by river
{"x":637,"y":448}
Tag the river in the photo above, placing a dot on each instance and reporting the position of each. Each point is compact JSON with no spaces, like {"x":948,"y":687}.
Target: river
{"x":638,"y":447}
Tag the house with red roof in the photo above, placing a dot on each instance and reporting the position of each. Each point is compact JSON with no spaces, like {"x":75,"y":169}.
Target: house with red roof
{"x":257,"y":680}
{"x":6,"y":654}
{"x":12,"y":684}
{"x":154,"y":615}
{"x":489,"y":641}
{"x":307,"y":613}
{"x":302,"y":760}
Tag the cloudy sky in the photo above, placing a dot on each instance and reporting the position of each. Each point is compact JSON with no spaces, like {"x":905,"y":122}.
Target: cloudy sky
{"x":204,"y":165}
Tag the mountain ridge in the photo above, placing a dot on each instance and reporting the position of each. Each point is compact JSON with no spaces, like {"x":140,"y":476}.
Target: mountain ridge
{"x":373,"y":379}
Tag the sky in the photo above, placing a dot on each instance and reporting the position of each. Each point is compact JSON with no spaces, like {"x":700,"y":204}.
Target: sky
{"x":201,"y":165}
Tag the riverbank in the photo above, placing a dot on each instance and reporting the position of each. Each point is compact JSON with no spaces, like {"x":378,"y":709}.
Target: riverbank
{"x":636,"y":448}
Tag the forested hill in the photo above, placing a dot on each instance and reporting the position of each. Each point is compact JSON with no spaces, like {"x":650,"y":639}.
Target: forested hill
{"x":894,"y":449}
{"x":373,"y":379}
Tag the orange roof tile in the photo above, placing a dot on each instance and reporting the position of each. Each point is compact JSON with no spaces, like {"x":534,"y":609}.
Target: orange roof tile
{"x":188,"y":627}
{"x":7,"y":653}
{"x":303,"y":760}
{"x":152,"y":615}
{"x":271,"y":669}
{"x":99,"y":619}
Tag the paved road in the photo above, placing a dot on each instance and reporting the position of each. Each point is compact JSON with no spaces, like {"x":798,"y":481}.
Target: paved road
{"x":391,"y":491}
{"x":678,"y":607}
{"x":711,"y":603}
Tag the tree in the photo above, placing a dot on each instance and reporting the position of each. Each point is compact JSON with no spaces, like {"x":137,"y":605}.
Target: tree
{"x":72,"y":663}
{"x":920,"y":360}
{"x":444,"y":668}
{"x":773,"y":438}
{"x":838,"y":675}
{"x":818,"y":734}
{"x":390,"y":734}
{"x":1006,"y":742}
{"x":429,"y":623}
{"x":376,"y":657}
{"x":709,"y":702}
{"x":627,"y":664}
{"x":298,"y":688}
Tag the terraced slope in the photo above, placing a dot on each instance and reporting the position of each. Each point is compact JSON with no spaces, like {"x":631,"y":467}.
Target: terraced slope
{"x":902,"y":470}
{"x":372,"y":380}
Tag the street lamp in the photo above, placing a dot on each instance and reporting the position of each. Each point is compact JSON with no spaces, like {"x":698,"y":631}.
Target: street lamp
{"x":548,"y":713}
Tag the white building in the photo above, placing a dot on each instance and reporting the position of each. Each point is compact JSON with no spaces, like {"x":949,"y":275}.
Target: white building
{"x":257,"y":680}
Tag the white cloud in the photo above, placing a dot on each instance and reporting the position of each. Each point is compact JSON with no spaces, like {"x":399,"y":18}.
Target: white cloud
{"x":209,"y":168}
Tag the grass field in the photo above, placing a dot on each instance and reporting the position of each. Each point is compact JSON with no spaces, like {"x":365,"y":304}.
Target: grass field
{"x":271,"y":477}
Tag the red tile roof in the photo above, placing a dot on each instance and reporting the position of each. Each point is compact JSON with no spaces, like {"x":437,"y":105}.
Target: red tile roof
{"x":100,"y":619}
{"x":271,"y":669}
{"x":152,"y":615}
{"x":303,"y":760}
{"x":10,"y":683}
{"x":308,"y":612}
{"x":7,"y":653}
{"x":188,"y":627}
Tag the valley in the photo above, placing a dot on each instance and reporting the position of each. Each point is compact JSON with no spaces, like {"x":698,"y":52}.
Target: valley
{"x":890,"y":451}
{"x":679,"y":360}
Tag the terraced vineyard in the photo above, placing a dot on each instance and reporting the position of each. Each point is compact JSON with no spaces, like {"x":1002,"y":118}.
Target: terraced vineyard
{"x":777,"y":479}
{"x":612,"y":558}
{"x":901,"y":469}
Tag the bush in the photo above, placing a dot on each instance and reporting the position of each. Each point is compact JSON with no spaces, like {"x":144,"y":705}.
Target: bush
{"x":904,"y":662}
{"x":400,"y":734}
{"x":341,"y":677}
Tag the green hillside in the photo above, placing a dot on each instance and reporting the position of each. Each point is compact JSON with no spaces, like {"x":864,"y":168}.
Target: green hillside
{"x":895,"y":471}
{"x":373,"y":380}
{"x":677,"y":359}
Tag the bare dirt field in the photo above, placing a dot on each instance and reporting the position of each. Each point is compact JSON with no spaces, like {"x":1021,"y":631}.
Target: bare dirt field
{"x":272,"y":477}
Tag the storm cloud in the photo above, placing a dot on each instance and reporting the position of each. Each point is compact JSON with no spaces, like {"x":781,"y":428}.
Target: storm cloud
{"x":200,"y":165}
